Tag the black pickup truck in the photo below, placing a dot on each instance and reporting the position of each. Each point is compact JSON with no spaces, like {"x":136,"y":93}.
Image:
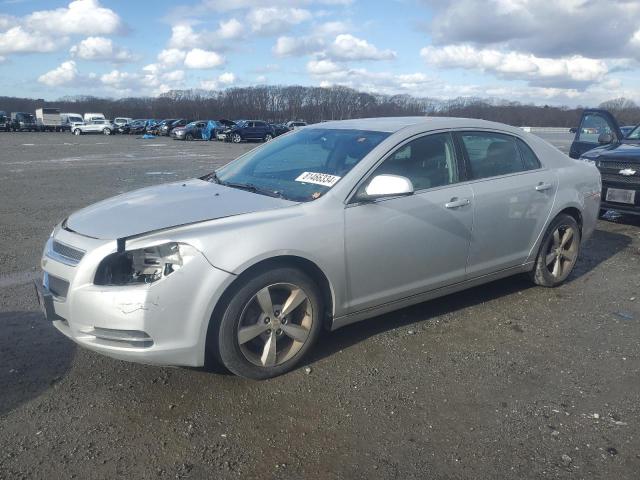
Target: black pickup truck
{"x":599,"y":140}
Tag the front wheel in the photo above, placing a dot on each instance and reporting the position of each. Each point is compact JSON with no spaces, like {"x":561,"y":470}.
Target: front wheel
{"x":268,"y":137}
{"x":269,"y":324}
{"x":558,"y":252}
{"x":236,"y":138}
{"x":77,"y":131}
{"x":188,"y":137}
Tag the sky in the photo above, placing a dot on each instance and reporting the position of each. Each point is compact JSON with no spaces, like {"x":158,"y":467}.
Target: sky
{"x":570,"y":52}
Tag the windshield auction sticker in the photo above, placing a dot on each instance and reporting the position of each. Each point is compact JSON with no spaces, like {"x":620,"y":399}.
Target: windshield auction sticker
{"x":318,"y":178}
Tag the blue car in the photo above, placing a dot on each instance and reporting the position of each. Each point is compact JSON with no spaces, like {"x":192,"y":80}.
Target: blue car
{"x":248,"y":130}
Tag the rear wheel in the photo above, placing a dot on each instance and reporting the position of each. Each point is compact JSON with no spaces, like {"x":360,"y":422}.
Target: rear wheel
{"x":558,"y":252}
{"x":269,"y":324}
{"x":107,"y":131}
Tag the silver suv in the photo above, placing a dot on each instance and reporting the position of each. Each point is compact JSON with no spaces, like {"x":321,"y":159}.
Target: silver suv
{"x":95,"y":126}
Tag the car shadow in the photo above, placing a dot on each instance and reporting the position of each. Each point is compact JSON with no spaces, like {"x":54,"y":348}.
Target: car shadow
{"x":33,"y":357}
{"x":600,"y":247}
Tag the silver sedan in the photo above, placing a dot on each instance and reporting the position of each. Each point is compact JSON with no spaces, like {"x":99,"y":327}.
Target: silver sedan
{"x":325,"y":226}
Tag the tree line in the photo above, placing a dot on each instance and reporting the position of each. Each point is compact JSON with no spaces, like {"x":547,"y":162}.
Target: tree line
{"x":315,"y":104}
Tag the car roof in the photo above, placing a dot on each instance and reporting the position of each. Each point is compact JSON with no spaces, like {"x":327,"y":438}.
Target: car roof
{"x":394,"y":124}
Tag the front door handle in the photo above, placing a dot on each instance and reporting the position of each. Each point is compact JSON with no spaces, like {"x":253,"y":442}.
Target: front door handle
{"x":456,"y":202}
{"x":541,"y":187}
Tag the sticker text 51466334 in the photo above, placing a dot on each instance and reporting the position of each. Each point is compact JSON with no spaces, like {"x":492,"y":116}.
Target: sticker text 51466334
{"x":318,"y":178}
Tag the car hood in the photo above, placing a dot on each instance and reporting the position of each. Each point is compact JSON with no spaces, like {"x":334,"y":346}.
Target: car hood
{"x":615,"y":152}
{"x":168,"y":205}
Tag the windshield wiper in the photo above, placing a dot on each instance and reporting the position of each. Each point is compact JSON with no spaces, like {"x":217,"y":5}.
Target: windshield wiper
{"x":250,"y":187}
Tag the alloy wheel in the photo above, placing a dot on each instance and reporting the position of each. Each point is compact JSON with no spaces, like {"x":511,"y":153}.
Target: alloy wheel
{"x":562,"y":252}
{"x":267,"y":137}
{"x":275,"y":324}
{"x":236,"y":138}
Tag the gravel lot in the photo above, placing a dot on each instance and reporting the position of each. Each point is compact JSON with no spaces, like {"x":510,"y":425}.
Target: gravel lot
{"x":502,"y":381}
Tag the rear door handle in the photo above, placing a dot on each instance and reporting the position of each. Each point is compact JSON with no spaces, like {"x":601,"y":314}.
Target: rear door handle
{"x":456,"y":202}
{"x":541,"y":187}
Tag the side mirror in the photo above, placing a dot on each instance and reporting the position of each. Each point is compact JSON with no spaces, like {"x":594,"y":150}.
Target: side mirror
{"x":605,"y":138}
{"x":573,"y":130}
{"x":382,"y":186}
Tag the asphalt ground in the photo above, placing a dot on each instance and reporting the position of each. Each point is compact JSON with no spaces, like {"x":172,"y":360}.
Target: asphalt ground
{"x":506,"y":380}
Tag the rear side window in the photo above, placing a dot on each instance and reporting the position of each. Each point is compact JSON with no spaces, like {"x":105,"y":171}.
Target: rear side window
{"x":529,"y":158}
{"x":491,"y":154}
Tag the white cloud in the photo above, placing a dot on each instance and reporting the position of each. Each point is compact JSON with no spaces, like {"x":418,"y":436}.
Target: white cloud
{"x":294,"y":46}
{"x":274,"y":20}
{"x":574,"y":69}
{"x":322,"y":67}
{"x":101,"y":49}
{"x":230,"y":29}
{"x":171,"y":56}
{"x":64,"y":74}
{"x":120,"y":80}
{"x":226,"y":5}
{"x":348,"y":47}
{"x":198,"y":58}
{"x":227,"y":78}
{"x":184,"y":36}
{"x":174,"y":76}
{"x":18,"y":40}
{"x":86,"y":17}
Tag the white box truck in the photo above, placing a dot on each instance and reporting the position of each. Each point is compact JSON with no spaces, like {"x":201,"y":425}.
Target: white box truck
{"x":90,"y":117}
{"x":48,"y":119}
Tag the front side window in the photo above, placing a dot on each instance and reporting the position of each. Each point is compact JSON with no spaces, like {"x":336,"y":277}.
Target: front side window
{"x":592,"y":126}
{"x":301,"y":166}
{"x":491,"y":154}
{"x":427,"y":161}
{"x":634,"y":134}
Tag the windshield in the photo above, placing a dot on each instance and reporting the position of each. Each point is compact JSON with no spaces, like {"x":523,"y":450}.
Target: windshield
{"x":301,"y":166}
{"x":635,"y":133}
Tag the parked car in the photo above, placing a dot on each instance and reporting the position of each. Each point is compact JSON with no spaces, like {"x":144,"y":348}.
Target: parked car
{"x":120,"y":121}
{"x":190,"y":131}
{"x":69,"y":120}
{"x":325,"y":226}
{"x":248,"y":130}
{"x":164,"y":126}
{"x":95,"y":126}
{"x":5,"y":122}
{"x":224,"y":126}
{"x":279,"y":129}
{"x":296,"y":124}
{"x":600,"y":141}
{"x":23,"y":122}
{"x":49,"y":119}
{"x":137,"y":127}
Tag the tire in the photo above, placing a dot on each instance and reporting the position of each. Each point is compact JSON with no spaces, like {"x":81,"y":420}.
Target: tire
{"x":268,"y":137}
{"x":249,"y":355}
{"x":107,"y":131}
{"x":188,"y":137}
{"x":236,"y":138}
{"x":77,"y":131}
{"x":557,"y":255}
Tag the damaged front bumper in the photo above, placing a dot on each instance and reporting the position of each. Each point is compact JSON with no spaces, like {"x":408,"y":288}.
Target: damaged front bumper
{"x":164,"y":322}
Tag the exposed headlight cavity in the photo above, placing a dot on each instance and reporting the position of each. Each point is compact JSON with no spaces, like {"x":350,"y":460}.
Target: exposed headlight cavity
{"x":145,"y":265}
